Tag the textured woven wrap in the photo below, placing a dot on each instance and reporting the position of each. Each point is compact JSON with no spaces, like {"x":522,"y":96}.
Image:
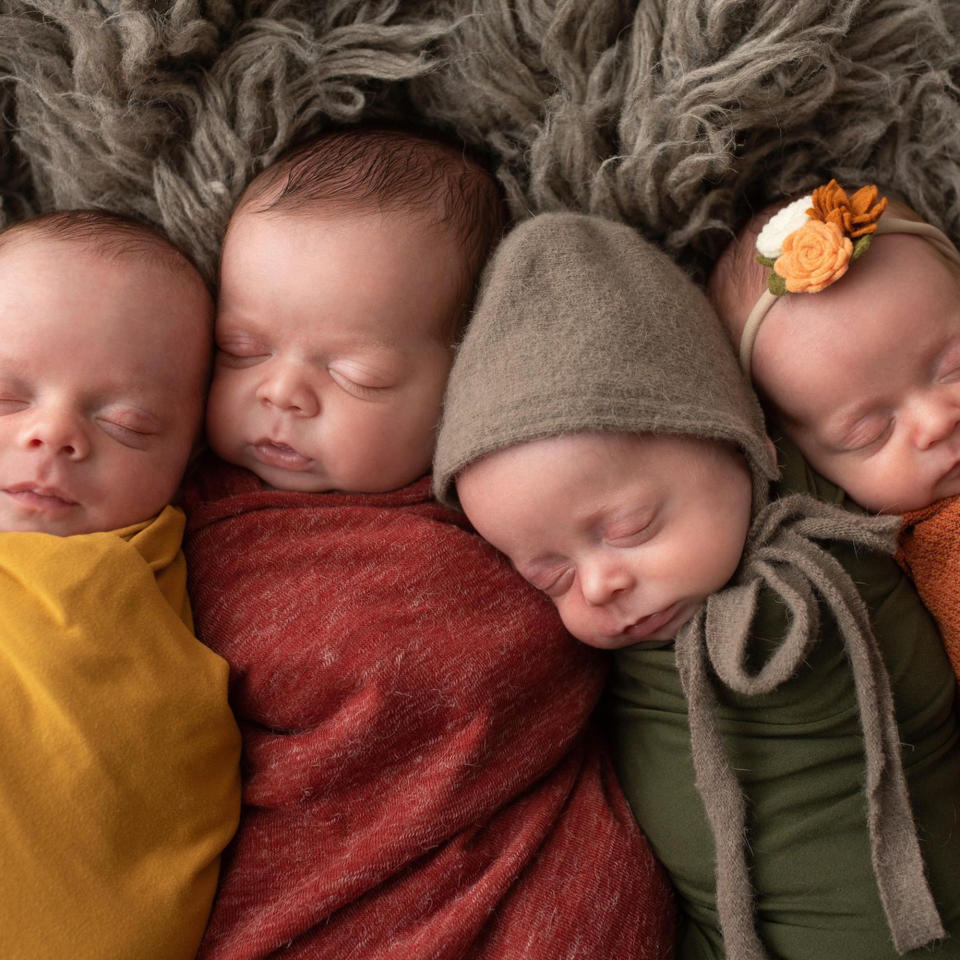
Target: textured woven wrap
{"x":782,"y":557}
{"x":929,"y":551}
{"x":416,"y":783}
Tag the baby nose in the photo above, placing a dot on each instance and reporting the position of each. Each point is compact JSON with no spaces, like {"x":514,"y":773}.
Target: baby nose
{"x":602,"y":579}
{"x":936,"y":418}
{"x":287,"y":390}
{"x":58,"y":432}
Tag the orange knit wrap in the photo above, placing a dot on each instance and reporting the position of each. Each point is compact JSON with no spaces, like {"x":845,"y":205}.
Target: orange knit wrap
{"x":930,"y":553}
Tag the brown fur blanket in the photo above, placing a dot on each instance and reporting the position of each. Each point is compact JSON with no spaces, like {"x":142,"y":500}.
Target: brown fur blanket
{"x":678,"y":117}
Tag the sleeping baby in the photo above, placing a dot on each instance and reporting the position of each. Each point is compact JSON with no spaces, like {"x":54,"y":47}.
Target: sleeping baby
{"x":120,"y":783}
{"x":858,"y":357}
{"x":597,"y":431}
{"x":415,"y":784}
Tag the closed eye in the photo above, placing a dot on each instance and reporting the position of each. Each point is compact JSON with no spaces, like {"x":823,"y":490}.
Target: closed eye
{"x":136,"y":437}
{"x":364,"y":391}
{"x":868,"y":435}
{"x":946,"y":368}
{"x":11,"y":405}
{"x":631,"y":528}
{"x":631,"y":537}
{"x":554,"y":583}
{"x":230,"y":358}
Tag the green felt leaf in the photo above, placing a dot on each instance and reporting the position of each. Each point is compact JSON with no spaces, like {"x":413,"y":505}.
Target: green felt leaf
{"x":861,"y":246}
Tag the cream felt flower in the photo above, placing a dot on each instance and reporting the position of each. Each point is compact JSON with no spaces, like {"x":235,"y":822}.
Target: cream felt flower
{"x":784,"y":222}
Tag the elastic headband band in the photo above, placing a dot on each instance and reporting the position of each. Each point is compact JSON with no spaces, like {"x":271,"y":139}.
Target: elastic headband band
{"x":885,"y":225}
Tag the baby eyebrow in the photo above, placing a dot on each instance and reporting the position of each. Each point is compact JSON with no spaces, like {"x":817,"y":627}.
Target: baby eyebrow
{"x":12,"y":380}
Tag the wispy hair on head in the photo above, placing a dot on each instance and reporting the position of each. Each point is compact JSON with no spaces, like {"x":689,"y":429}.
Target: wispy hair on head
{"x":385,"y":169}
{"x":110,"y":235}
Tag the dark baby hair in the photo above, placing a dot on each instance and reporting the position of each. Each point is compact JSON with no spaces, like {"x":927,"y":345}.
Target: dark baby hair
{"x":110,"y":235}
{"x":385,"y":169}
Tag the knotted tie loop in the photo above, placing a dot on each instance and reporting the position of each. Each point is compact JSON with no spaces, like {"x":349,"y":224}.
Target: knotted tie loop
{"x":781,"y":556}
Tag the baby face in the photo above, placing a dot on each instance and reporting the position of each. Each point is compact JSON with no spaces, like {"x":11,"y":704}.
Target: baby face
{"x":866,"y":376}
{"x":626,"y":534}
{"x":333,"y":348}
{"x":102,"y":371}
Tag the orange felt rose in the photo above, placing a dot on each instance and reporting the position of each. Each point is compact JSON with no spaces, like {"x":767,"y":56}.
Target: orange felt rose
{"x":856,"y":216}
{"x":814,"y":257}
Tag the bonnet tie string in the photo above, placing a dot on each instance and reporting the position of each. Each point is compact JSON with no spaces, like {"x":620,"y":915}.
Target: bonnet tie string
{"x":781,"y":557}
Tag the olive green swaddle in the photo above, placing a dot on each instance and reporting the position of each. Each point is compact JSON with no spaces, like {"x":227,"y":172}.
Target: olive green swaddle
{"x":583,"y":325}
{"x":798,"y":754}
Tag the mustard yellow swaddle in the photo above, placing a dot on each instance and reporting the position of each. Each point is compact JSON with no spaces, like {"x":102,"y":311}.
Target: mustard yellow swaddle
{"x":119,"y":778}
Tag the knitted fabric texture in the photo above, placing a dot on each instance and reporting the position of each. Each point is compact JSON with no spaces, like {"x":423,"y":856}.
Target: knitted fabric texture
{"x":782,"y":557}
{"x":583,"y":325}
{"x":416,"y":784}
{"x":929,"y":551}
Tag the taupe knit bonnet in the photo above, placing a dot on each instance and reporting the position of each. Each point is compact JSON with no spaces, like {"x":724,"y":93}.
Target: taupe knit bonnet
{"x":582,"y":325}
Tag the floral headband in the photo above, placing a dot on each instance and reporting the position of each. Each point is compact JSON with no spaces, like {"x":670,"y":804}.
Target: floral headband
{"x":810,"y":244}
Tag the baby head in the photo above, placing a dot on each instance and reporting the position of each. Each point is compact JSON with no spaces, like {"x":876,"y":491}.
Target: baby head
{"x":347,"y":270}
{"x":105,"y":342}
{"x":863,"y":373}
{"x":597,"y":431}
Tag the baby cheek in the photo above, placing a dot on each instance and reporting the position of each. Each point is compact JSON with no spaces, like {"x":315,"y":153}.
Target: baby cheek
{"x":408,"y":439}
{"x":873,"y":482}
{"x":226,"y":405}
{"x":575,"y":617}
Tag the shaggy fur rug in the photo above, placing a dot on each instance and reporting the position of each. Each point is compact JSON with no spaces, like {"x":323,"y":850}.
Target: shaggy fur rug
{"x":677,"y":116}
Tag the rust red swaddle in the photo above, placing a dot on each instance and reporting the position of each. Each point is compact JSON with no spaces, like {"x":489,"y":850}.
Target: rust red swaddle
{"x":420,"y":777}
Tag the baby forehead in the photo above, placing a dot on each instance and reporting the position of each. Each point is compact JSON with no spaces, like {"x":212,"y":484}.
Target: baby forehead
{"x":251,"y":226}
{"x":359,"y":269}
{"x":146,"y":276}
{"x":898,"y":296}
{"x":72,"y":287}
